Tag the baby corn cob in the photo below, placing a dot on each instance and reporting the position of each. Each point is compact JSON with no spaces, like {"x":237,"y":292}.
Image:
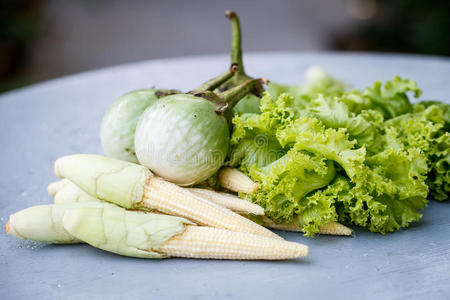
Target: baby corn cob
{"x":236,"y":181}
{"x":213,"y":243}
{"x":229,"y":201}
{"x":334,"y":228}
{"x":141,"y":234}
{"x":148,"y":235}
{"x":133,"y":186}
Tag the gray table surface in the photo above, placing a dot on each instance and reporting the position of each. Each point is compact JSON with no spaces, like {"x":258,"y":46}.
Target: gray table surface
{"x":62,"y":116}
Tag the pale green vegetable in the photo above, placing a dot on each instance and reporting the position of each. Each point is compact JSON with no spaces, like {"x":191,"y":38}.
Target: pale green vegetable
{"x":64,"y":191}
{"x":184,"y":138}
{"x":112,"y":180}
{"x":43,"y":223}
{"x":119,"y":123}
{"x":129,"y":233}
{"x":133,"y":186}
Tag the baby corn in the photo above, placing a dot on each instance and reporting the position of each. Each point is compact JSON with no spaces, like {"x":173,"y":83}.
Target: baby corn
{"x":229,"y":201}
{"x":213,"y":243}
{"x":66,"y":192}
{"x":142,"y":234}
{"x":236,"y":181}
{"x":334,"y":228}
{"x":148,"y":235}
{"x":133,"y":186}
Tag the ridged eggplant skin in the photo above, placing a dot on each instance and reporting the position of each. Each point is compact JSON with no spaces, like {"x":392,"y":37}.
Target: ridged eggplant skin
{"x":182,"y":139}
{"x":119,"y":124}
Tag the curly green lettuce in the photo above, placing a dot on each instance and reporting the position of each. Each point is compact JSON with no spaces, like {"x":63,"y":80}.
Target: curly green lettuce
{"x":425,"y":130}
{"x":390,"y":184}
{"x":390,"y":99}
{"x":320,"y":174}
{"x":335,"y":114}
{"x":364,"y":157}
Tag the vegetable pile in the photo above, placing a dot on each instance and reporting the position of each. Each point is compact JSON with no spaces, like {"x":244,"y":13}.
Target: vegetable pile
{"x":204,"y":174}
{"x":321,"y":153}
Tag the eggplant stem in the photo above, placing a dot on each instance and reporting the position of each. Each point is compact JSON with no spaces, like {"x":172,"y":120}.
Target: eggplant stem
{"x":236,"y":57}
{"x":236,"y":43}
{"x":232,"y":96}
{"x":218,"y":80}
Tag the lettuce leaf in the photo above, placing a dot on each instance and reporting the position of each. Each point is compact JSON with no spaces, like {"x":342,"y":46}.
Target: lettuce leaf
{"x":425,"y":130}
{"x":284,"y":185}
{"x":335,"y":114}
{"x":389,"y":187}
{"x":310,"y":134}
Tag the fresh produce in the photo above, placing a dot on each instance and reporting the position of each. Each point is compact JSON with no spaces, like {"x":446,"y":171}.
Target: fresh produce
{"x":120,"y":120}
{"x":134,"y":187}
{"x":141,"y":234}
{"x":66,"y":192}
{"x":148,"y":235}
{"x":184,"y":138}
{"x":236,"y":181}
{"x":428,"y":129}
{"x":42,"y":223}
{"x":323,"y":154}
{"x":119,"y":123}
{"x":310,"y":158}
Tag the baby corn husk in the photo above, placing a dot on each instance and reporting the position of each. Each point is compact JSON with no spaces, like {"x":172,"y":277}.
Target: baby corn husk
{"x":129,"y":233}
{"x":234,"y":180}
{"x":213,"y":243}
{"x":133,"y":186}
{"x":43,"y":223}
{"x":334,"y":228}
{"x":148,"y":235}
{"x":56,"y":186}
{"x":229,"y":201}
{"x":104,"y":178}
{"x":64,"y":191}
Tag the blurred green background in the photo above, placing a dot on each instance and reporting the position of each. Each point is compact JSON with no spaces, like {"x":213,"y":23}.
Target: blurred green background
{"x":43,"y":39}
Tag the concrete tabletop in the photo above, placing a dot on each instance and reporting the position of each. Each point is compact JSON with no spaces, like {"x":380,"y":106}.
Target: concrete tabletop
{"x":62,"y":116}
